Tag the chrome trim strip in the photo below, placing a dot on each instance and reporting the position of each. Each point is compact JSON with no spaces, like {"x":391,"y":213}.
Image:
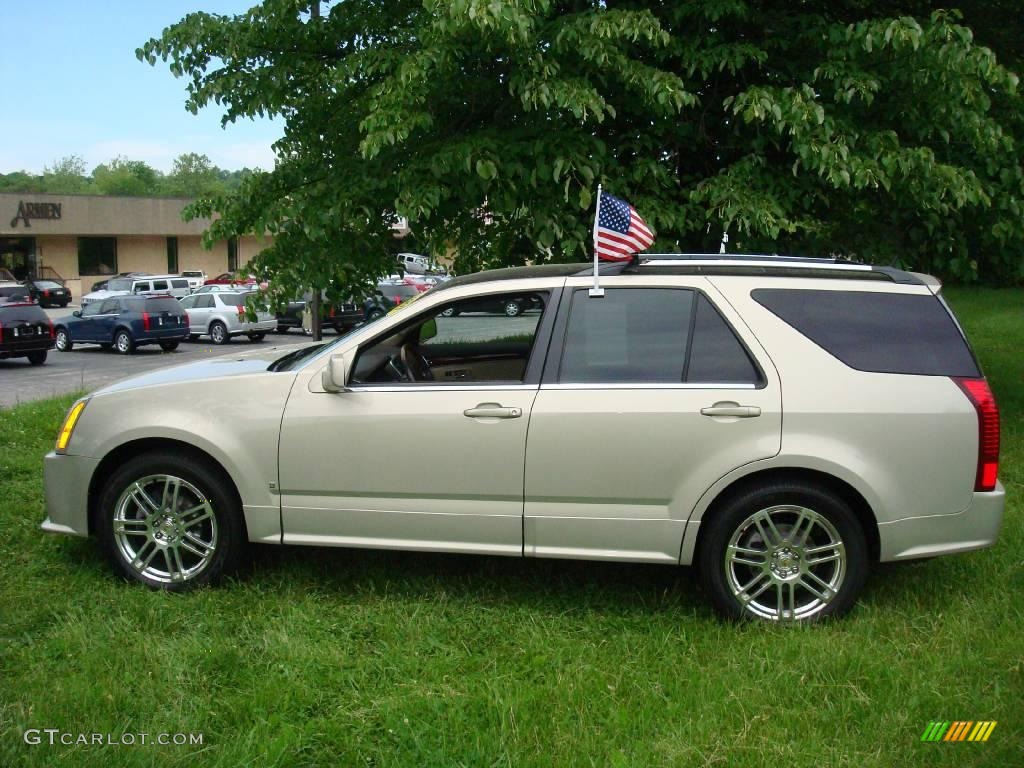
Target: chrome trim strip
{"x":446,"y":388}
{"x":710,"y":385}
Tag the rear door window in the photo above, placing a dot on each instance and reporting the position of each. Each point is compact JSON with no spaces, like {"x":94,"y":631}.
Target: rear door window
{"x":876,"y":332}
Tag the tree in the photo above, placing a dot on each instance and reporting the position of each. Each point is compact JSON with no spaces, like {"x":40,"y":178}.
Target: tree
{"x":845,"y":127}
{"x":193,"y":175}
{"x":122,"y":176}
{"x":65,"y":176}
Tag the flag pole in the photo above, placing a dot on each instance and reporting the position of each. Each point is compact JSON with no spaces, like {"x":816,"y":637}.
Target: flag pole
{"x":597,"y":291}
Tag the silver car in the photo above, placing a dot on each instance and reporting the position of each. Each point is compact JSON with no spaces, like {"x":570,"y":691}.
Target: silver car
{"x":782,"y":425}
{"x":223,"y":314}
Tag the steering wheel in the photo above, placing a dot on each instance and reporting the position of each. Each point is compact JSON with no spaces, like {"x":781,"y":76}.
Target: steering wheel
{"x":397,"y":369}
{"x":415,"y":363}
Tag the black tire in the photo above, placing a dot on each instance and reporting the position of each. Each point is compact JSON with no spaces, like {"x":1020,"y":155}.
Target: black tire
{"x":193,"y":336}
{"x":257,"y":336}
{"x":169,"y":346}
{"x":375,"y":314}
{"x":449,"y":312}
{"x":223,"y":516}
{"x":106,"y":347}
{"x":63,"y":339}
{"x":124,"y":344}
{"x":782,"y":570}
{"x":512,"y":309}
{"x":219,"y":333}
{"x":283,"y":328}
{"x":37,"y":358}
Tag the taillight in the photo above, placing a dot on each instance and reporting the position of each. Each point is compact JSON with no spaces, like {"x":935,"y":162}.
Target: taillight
{"x":145,"y":320}
{"x":241,"y":313}
{"x":46,"y":293}
{"x":980,"y":395}
{"x":53,"y":331}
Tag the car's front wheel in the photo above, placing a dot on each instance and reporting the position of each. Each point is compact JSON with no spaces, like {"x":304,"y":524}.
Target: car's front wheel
{"x":513,"y":309}
{"x":63,"y":341}
{"x":787,"y":552}
{"x":170,"y":522}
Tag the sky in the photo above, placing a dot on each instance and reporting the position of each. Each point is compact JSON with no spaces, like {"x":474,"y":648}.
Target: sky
{"x":72,"y":86}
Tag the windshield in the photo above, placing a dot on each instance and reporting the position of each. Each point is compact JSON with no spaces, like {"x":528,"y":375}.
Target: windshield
{"x":294,"y":359}
{"x":119,"y":285}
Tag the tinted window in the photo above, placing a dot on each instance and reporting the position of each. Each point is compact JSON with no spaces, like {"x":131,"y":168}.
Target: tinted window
{"x":159,"y":285}
{"x":13,"y":293}
{"x":162,"y":304}
{"x":878,"y":332}
{"x":119,"y":285}
{"x":632,"y":335}
{"x":716,"y":355}
{"x":179,"y":283}
{"x":110,"y":307}
{"x":232,"y":299}
{"x":205,"y":301}
{"x":188,"y":302}
{"x":47,"y":285}
{"x":28,"y":313}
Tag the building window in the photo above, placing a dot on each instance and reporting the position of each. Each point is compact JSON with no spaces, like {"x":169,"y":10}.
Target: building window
{"x":97,"y":255}
{"x":233,"y":254}
{"x":172,"y":255}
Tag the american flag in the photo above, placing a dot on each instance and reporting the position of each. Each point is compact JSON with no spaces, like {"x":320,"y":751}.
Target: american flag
{"x":620,"y":232}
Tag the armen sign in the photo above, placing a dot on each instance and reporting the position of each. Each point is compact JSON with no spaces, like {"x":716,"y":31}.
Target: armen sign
{"x":27,"y":211}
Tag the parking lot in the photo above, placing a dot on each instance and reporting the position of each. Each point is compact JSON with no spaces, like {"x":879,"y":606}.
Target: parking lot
{"x":87,"y":367}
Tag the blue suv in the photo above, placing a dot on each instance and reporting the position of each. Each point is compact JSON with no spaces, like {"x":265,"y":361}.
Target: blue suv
{"x":124,"y":323}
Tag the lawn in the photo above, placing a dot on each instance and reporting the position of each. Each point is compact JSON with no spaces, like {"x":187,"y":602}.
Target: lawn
{"x":339,"y":657}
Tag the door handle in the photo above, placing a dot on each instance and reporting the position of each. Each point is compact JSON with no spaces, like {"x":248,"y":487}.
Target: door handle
{"x":731,"y":409}
{"x":492,"y":411}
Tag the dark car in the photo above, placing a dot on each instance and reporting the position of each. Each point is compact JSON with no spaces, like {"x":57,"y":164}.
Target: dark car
{"x":341,"y":317}
{"x":100,"y":285}
{"x":25,"y":330}
{"x":124,"y":323}
{"x":48,"y":293}
{"x":510,"y":307}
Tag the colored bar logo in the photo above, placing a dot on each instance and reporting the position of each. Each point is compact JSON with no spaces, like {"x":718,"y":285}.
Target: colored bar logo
{"x":958,"y":730}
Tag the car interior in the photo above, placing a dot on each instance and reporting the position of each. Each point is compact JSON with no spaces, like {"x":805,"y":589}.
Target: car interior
{"x":465,"y":347}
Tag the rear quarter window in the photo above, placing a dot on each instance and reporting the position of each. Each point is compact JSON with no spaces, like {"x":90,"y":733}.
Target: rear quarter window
{"x":876,"y":332}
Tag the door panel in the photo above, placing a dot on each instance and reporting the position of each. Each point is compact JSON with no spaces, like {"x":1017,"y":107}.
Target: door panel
{"x":619,"y":451}
{"x":404,"y":468}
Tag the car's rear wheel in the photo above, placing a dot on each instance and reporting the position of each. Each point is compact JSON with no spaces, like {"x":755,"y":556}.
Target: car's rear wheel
{"x":63,"y":341}
{"x":168,"y":346}
{"x":124,"y":343}
{"x":283,"y":328}
{"x":513,"y":309}
{"x":257,"y":336}
{"x":37,"y":358}
{"x":786,"y":552}
{"x":219,"y":333}
{"x":170,"y":522}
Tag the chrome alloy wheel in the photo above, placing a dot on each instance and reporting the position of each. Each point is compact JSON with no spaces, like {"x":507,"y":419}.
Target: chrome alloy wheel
{"x":785,"y":563}
{"x":165,"y":529}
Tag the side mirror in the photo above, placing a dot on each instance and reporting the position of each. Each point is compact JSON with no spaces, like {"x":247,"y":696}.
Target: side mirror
{"x":428,"y":330}
{"x":335,"y":376}
{"x":77,"y":313}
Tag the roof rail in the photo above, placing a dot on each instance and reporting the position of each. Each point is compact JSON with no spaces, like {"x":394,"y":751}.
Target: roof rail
{"x":745,"y":257}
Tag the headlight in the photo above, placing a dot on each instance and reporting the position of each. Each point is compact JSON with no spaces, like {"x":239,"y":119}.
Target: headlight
{"x":64,"y":436}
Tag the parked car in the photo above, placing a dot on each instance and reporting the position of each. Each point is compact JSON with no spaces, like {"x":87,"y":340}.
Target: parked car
{"x":341,"y":318}
{"x":124,"y":323}
{"x":783,"y":425}
{"x":230,"y":278}
{"x":196,"y":278}
{"x":102,"y":284}
{"x":25,"y":330}
{"x":224,"y":288}
{"x":48,"y":293}
{"x":222,"y":315}
{"x":413,"y":263}
{"x":152,"y":285}
{"x":397,"y":292}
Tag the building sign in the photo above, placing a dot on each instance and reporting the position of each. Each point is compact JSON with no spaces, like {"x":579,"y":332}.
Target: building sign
{"x":28,"y":211}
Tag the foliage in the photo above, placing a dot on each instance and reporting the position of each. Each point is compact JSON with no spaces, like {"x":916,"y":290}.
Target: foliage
{"x":846,"y":127}
{"x":192,"y":175}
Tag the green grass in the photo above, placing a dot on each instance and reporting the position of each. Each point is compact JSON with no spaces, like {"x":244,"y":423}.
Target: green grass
{"x":341,"y":657}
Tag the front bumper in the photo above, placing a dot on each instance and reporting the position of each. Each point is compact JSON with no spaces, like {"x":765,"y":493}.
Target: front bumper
{"x":66,"y":481}
{"x":976,"y":527}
